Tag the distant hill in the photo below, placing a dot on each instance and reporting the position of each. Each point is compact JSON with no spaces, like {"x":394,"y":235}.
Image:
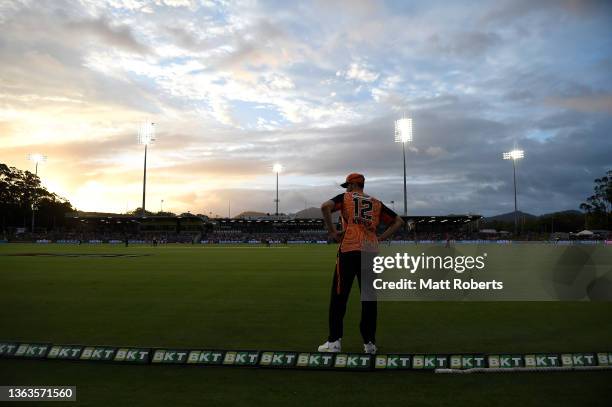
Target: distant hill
{"x":568,"y":212}
{"x":314,"y":213}
{"x":309,"y":213}
{"x":509,"y":217}
{"x":250,"y":214}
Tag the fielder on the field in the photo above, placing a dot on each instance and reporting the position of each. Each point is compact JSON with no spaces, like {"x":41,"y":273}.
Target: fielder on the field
{"x":360,"y":214}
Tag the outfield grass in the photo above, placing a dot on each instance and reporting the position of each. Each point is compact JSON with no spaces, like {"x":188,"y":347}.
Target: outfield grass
{"x":273,"y":298}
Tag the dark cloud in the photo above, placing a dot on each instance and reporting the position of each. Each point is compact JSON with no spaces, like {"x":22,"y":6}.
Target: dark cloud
{"x":564,"y":119}
{"x":61,"y":23}
{"x":261,"y":42}
{"x":43,"y":54}
{"x":464,"y":44}
{"x":508,"y":10}
{"x":587,"y":103}
{"x":120,"y":36}
{"x":519,"y":95}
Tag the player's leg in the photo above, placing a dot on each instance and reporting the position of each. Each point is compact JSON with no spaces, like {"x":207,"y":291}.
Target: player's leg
{"x":367,"y":326}
{"x":369,"y":305}
{"x":341,"y":287}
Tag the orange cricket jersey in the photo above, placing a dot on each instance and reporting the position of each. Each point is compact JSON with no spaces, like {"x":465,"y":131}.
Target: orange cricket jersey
{"x":361,"y":214}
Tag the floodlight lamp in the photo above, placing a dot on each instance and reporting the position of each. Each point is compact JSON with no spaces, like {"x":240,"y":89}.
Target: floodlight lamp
{"x":514,"y":155}
{"x":277,"y":168}
{"x":403,"y":130}
{"x":146,"y":133}
{"x":37,"y":158}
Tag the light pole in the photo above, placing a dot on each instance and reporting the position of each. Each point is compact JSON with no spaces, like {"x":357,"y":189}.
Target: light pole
{"x":403,"y":134}
{"x":161,"y":206}
{"x":37,"y":158}
{"x":277,"y":168}
{"x":393,"y":205}
{"x":146,"y":136}
{"x":514,"y":155}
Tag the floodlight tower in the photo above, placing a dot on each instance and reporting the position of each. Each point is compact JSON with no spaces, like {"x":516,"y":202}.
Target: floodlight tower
{"x":37,"y":158}
{"x":277,"y":168}
{"x":514,"y":155}
{"x":146,"y":136}
{"x":403,"y":134}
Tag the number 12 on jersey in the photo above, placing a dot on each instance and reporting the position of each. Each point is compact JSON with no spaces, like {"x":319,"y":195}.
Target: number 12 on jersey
{"x":363,"y":209}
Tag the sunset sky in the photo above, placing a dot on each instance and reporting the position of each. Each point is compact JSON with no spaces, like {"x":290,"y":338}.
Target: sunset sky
{"x":235,"y":87}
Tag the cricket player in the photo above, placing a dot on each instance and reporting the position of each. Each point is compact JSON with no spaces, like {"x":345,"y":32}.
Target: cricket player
{"x":360,"y":214}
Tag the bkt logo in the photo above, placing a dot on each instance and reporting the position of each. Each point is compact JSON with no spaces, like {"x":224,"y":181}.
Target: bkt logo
{"x":429,"y":361}
{"x":315,"y":360}
{"x":7,"y":349}
{"x":578,"y":359}
{"x":170,"y":356}
{"x":505,"y":361}
{"x":241,"y":358}
{"x":99,"y":353}
{"x":132,"y":355}
{"x":542,"y":360}
{"x":64,"y":352}
{"x":278,"y":359}
{"x":205,"y":357}
{"x":27,"y":350}
{"x":392,"y":362}
{"x":353,"y":361}
{"x":466,"y":361}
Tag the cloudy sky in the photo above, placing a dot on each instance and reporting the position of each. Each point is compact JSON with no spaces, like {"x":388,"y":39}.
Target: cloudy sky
{"x":235,"y":87}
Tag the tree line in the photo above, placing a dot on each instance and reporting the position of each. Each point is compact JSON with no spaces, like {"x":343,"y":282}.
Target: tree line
{"x":596,"y":214}
{"x":598,"y":207}
{"x":22,"y":196}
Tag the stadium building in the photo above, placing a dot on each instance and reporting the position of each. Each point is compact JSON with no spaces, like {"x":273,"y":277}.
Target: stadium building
{"x":188,"y":228}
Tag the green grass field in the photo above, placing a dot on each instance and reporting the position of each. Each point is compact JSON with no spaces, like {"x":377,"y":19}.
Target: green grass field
{"x":273,"y":298}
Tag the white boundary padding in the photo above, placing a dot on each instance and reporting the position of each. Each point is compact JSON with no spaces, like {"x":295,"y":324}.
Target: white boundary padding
{"x":522,"y":369}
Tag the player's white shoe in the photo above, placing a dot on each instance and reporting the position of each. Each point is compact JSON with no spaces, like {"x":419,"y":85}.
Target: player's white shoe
{"x":331,"y":347}
{"x":369,"y":348}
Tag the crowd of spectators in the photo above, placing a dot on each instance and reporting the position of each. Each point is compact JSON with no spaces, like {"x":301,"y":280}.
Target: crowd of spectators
{"x":223,"y":236}
{"x":78,"y":237}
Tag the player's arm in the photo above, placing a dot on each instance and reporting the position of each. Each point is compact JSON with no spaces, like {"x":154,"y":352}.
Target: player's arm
{"x":395,"y":226}
{"x":327,"y":208}
{"x":393,"y":220}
